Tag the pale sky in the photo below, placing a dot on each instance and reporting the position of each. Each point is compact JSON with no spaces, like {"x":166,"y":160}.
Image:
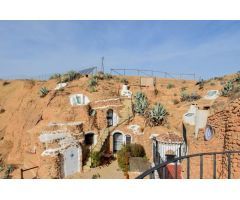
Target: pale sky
{"x":207,"y":48}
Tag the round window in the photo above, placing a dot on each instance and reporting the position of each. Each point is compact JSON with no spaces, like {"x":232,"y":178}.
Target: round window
{"x":208,"y":133}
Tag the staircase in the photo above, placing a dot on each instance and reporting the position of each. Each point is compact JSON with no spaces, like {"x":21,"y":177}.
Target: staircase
{"x":100,"y":143}
{"x":125,"y":114}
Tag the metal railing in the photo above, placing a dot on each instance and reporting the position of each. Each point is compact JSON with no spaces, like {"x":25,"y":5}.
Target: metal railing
{"x":24,"y":170}
{"x":163,"y":171}
{"x":152,"y":73}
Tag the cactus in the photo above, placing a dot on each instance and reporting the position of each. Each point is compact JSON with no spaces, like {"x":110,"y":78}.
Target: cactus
{"x":43,"y":92}
{"x":156,"y":115}
{"x":141,"y":103}
{"x":228,"y":87}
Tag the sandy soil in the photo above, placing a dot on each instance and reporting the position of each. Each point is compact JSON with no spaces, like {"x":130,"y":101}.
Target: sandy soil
{"x":24,"y":111}
{"x":111,"y":171}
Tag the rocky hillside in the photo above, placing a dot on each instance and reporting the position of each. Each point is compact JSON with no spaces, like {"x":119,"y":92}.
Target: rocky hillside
{"x":22,"y":109}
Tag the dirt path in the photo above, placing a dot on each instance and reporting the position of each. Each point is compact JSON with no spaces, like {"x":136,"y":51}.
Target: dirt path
{"x":111,"y":171}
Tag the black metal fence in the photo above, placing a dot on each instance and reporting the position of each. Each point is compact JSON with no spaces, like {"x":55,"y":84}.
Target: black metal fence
{"x":24,"y":170}
{"x":172,"y":169}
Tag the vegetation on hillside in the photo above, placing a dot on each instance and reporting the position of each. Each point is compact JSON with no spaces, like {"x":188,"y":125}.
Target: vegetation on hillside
{"x":156,"y":115}
{"x":189,"y":97}
{"x":140,"y":103}
{"x":127,"y":151}
{"x":232,"y":87}
{"x":43,"y":92}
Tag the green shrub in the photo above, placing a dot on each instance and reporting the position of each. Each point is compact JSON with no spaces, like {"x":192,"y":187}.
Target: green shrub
{"x":96,"y":176}
{"x":175,"y":101}
{"x":101,"y":76}
{"x":136,"y":150}
{"x":237,"y":79}
{"x":124,"y":81}
{"x":212,"y":84}
{"x":170,"y":85}
{"x":55,"y":76}
{"x":10,"y":169}
{"x":183,"y":88}
{"x":127,"y":151}
{"x":108,"y":76}
{"x":140,"y":103}
{"x":69,"y":76}
{"x":5,"y":83}
{"x":95,"y":159}
{"x":92,"y":82}
{"x":123,"y":159}
{"x":200,"y":84}
{"x":2,"y":110}
{"x":43,"y":91}
{"x":227,"y":89}
{"x":156,"y":115}
{"x":189,"y":97}
{"x":92,"y":89}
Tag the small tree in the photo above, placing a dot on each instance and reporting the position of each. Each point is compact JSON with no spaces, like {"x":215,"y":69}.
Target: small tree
{"x":140,"y":103}
{"x":95,"y":159}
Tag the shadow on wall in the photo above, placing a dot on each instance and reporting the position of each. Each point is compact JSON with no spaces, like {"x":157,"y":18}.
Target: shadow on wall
{"x":184,"y":134}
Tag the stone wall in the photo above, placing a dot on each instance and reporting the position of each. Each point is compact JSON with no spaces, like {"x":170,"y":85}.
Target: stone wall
{"x":226,"y":126}
{"x":50,"y":167}
{"x":107,"y":102}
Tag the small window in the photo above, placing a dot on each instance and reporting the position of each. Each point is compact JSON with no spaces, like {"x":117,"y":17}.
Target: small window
{"x":128,"y":139}
{"x":208,"y":133}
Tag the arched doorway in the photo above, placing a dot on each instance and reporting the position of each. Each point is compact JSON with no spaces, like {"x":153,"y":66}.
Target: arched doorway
{"x":89,"y":139}
{"x":117,"y":141}
{"x":109,"y":117}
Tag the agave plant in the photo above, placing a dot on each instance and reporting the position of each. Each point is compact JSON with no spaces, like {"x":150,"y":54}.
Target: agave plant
{"x":228,"y":87}
{"x":140,"y":103}
{"x":157,"y":115}
{"x":43,"y":91}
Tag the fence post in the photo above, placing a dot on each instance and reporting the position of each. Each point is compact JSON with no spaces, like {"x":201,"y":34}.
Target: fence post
{"x":21,"y":173}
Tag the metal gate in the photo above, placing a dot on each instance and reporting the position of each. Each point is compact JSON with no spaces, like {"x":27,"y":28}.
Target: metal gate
{"x":117,"y":141}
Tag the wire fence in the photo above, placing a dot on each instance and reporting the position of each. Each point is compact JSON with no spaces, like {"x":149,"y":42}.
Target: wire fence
{"x":152,"y":73}
{"x":113,"y":71}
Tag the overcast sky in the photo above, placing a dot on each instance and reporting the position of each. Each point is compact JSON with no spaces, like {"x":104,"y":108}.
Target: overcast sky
{"x":207,"y":48}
